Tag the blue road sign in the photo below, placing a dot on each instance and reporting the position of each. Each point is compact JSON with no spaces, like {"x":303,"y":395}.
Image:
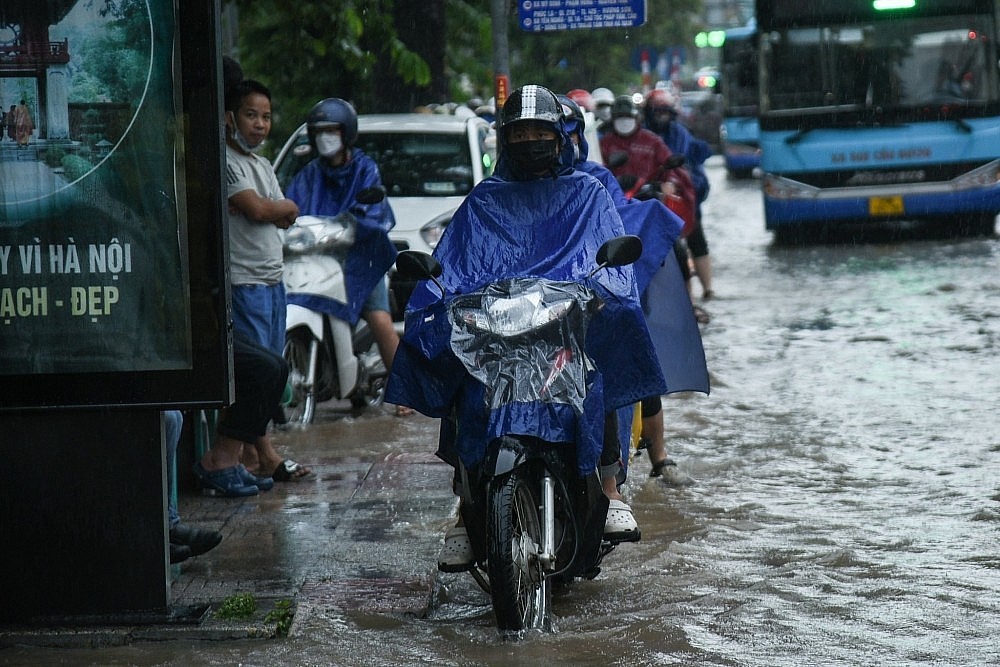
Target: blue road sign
{"x":546,"y":15}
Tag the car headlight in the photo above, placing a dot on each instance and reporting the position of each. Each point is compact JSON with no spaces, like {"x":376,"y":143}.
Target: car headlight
{"x":431,"y":232}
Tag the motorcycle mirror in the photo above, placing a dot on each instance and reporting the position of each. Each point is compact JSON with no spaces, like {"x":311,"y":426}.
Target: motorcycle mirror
{"x":627,"y":181}
{"x":620,"y":251}
{"x":372,"y":195}
{"x":617,"y":159}
{"x":675,"y":160}
{"x":417,"y":265}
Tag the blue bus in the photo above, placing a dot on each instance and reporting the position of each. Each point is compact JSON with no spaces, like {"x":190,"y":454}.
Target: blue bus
{"x":876,"y":110}
{"x":740,"y":129}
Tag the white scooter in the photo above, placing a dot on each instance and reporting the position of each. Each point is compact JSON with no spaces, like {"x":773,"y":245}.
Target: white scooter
{"x":328,"y":358}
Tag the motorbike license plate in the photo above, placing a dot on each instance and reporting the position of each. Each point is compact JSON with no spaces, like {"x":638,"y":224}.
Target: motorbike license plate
{"x":884,"y":206}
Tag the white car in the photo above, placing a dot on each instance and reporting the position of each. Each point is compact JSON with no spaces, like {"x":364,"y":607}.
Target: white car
{"x":428,"y":163}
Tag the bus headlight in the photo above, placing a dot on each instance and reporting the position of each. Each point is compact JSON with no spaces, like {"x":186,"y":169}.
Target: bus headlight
{"x":777,"y":187}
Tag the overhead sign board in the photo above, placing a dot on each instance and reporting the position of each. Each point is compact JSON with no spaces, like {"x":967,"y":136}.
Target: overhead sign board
{"x":548,"y":15}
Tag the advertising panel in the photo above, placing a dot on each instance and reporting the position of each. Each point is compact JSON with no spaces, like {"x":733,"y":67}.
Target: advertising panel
{"x":111,"y":246}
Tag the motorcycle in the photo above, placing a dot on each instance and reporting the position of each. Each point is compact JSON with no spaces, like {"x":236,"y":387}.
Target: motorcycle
{"x":328,"y":357}
{"x":533,"y":517}
{"x":681,"y":201}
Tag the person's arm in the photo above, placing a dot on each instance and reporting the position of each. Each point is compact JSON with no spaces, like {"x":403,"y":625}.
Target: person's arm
{"x":278,"y":212}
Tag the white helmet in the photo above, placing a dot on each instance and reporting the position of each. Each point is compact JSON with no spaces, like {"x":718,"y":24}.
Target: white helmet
{"x":603,"y":99}
{"x":602,"y":96}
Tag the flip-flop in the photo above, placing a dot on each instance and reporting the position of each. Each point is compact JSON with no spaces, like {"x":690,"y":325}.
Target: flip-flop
{"x":288,"y":471}
{"x":403,"y":411}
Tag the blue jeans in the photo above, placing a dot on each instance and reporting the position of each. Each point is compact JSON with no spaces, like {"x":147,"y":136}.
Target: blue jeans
{"x":173,"y":420}
{"x":259,"y":314}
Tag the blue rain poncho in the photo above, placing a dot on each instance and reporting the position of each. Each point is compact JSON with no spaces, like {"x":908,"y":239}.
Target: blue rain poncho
{"x":551,"y":228}
{"x":320,"y":189}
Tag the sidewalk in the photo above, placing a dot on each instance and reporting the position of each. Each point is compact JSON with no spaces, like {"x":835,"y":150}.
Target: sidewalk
{"x":361,"y":533}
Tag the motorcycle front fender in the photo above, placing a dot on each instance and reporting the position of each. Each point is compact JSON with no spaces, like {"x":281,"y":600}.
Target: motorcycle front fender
{"x":509,"y":453}
{"x":297,"y":316}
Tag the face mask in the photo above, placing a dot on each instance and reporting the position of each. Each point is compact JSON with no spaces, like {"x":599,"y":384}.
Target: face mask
{"x":533,"y":156}
{"x":625,"y":126}
{"x":328,"y":144}
{"x":576,"y":152}
{"x":238,"y":137}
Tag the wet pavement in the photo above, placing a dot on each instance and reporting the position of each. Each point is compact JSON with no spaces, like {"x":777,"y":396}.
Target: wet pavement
{"x":847,"y":508}
{"x":326,"y":543}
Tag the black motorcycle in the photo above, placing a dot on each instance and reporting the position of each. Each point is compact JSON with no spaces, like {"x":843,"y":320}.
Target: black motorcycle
{"x":532,"y":518}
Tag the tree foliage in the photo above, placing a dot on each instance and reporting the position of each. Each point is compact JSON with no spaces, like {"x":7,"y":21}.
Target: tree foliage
{"x":389,"y":55}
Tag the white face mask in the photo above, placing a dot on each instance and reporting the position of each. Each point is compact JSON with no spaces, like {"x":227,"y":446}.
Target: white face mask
{"x":328,"y":143}
{"x":625,"y":126}
{"x":240,"y":140}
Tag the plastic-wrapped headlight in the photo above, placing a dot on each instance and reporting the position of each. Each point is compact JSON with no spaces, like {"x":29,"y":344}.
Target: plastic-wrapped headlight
{"x":299,"y":240}
{"x":513,"y":317}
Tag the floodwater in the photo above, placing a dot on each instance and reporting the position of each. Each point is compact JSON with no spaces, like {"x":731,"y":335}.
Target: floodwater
{"x":847,"y":510}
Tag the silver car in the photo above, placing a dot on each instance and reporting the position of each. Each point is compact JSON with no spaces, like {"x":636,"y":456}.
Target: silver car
{"x":428,"y":163}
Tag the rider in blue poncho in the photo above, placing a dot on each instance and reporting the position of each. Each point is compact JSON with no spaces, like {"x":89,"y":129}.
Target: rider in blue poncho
{"x":536,"y":216}
{"x":329,"y":185}
{"x":667,"y":305}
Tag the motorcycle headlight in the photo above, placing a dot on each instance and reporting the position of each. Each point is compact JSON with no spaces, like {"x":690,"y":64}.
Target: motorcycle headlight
{"x":334,"y":236}
{"x":513,"y":317}
{"x":298,"y":240}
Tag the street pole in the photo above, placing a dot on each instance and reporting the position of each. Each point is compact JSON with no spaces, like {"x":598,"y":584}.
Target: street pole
{"x":501,"y":52}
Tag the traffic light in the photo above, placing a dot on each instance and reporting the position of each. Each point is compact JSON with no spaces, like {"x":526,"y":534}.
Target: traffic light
{"x":707,"y":81}
{"x":713,"y":38}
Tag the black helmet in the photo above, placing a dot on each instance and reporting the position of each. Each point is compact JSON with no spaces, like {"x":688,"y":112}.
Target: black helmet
{"x":531,"y":102}
{"x":624,"y":106}
{"x":331,"y":112}
{"x":571,"y":110}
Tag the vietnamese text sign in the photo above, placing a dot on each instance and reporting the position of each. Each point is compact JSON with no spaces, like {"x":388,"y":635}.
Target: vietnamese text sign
{"x":546,"y":15}
{"x":93,"y":254}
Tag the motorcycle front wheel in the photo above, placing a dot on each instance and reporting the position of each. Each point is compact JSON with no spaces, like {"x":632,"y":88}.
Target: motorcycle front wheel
{"x":521,"y":593}
{"x":298,"y":354}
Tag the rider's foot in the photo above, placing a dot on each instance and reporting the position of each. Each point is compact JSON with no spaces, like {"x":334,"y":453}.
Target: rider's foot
{"x":672,"y":475}
{"x":456,"y":554}
{"x":620,"y":525}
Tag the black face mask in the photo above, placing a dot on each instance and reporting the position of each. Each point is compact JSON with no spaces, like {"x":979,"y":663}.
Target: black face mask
{"x":533,"y":156}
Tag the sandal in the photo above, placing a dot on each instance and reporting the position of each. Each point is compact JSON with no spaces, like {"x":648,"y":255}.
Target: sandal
{"x":403,"y":411}
{"x":672,"y":475}
{"x":288,"y":471}
{"x":225,"y":482}
{"x":620,"y":525}
{"x":456,"y":554}
{"x":262,"y":483}
{"x":701,"y":315}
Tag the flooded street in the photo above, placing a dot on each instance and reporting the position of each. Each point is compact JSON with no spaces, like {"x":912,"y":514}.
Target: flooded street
{"x":847,"y":510}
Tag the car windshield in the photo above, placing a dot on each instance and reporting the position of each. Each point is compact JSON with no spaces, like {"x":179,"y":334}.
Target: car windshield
{"x":412,"y":164}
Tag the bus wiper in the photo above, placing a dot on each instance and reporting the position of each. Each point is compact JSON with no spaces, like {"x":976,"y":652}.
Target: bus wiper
{"x":962,"y":125}
{"x":798,"y":136}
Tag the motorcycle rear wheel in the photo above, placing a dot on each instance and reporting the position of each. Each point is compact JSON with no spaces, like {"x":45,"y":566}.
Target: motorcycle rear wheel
{"x":521,"y":594}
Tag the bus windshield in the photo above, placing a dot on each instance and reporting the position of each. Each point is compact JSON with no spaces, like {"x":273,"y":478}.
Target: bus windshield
{"x":903,"y":66}
{"x":739,"y":73}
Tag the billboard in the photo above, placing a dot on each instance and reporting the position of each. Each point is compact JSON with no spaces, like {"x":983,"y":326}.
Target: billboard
{"x":112,"y":279}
